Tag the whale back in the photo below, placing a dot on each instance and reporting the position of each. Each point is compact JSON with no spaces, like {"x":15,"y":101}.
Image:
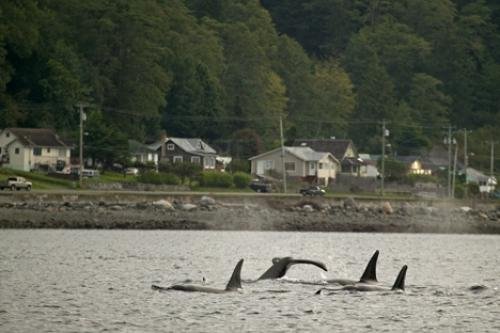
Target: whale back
{"x":235,"y":280}
{"x":399,"y":284}
{"x":370,"y":273}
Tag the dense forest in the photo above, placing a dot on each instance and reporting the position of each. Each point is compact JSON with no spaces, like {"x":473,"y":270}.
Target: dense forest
{"x":228,"y":70}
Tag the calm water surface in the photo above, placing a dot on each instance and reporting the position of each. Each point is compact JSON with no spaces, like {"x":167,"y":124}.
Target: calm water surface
{"x":93,"y":281}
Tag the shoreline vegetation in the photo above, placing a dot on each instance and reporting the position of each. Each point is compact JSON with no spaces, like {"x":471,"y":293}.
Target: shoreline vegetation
{"x":242,"y":211}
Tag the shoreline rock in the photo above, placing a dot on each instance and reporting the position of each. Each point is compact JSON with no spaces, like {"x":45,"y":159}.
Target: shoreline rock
{"x":299,"y":215}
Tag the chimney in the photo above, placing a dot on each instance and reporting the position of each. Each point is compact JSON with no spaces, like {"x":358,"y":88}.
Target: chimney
{"x":163,"y":139}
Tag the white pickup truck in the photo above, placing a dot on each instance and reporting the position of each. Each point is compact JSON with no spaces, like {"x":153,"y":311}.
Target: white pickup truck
{"x":15,"y":183}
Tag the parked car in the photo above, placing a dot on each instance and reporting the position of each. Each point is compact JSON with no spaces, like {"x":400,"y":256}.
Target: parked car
{"x":132,"y":171}
{"x":259,"y":186}
{"x":313,"y":190}
{"x":16,"y":183}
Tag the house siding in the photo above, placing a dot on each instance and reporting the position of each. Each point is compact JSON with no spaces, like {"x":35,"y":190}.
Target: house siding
{"x":26,"y":160}
{"x":169,"y":155}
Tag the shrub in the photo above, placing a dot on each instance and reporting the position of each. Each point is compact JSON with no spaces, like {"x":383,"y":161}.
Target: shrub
{"x":183,"y":170}
{"x":237,"y":165}
{"x":216,"y":179}
{"x":159,"y":178}
{"x":241,"y":179}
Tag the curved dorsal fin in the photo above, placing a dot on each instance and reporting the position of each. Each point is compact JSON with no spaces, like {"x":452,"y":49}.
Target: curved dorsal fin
{"x":370,"y":273}
{"x":235,"y":280}
{"x":399,"y":284}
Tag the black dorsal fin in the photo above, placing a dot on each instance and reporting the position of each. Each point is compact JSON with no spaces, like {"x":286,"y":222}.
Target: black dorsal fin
{"x":235,"y":280}
{"x":399,"y":284}
{"x":370,"y":273}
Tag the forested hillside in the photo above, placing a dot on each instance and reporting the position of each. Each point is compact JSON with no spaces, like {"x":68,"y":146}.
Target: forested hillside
{"x":227,"y":70}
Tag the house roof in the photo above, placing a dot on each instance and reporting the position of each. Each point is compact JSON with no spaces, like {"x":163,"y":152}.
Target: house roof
{"x":302,"y":153}
{"x":38,"y":137}
{"x":137,"y":147}
{"x":193,"y":146}
{"x":337,"y":147}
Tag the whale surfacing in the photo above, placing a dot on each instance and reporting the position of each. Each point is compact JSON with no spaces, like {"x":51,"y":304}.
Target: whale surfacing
{"x":369,"y":275}
{"x":399,"y":285}
{"x":233,"y":285}
{"x":282,"y":265}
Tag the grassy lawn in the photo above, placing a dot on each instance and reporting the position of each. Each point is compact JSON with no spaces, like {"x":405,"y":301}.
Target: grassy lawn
{"x":40,"y":181}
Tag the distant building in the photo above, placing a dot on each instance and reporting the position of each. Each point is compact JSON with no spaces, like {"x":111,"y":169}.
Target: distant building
{"x":300,"y":162}
{"x":27,"y":149}
{"x":417,"y":165}
{"x":142,"y":153}
{"x":368,"y":167}
{"x":179,"y":150}
{"x":342,"y":149}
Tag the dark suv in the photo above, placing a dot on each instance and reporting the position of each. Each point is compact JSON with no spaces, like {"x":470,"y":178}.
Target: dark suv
{"x":260,"y":186}
{"x":313,"y":190}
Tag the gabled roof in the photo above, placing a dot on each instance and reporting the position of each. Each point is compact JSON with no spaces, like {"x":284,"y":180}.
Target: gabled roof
{"x":302,"y":153}
{"x":337,"y":147}
{"x":37,"y":137}
{"x":193,"y":146}
{"x":137,"y":147}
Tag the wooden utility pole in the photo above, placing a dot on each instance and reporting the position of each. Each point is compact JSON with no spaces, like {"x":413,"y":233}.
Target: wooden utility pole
{"x":492,"y":159}
{"x":454,"y":172}
{"x":283,"y":155}
{"x":466,"y":162}
{"x":81,"y":106}
{"x":382,"y":176}
{"x":449,"y":161}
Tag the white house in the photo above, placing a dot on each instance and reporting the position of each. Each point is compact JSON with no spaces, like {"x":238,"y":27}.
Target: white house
{"x":31,"y":148}
{"x":301,"y":162}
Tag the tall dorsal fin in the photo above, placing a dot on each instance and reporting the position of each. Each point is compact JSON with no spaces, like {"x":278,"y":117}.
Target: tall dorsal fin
{"x":399,"y":284}
{"x":235,"y":280}
{"x":370,"y":273}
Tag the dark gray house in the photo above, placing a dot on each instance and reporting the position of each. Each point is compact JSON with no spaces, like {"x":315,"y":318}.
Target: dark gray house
{"x":179,"y":150}
{"x":342,"y":149}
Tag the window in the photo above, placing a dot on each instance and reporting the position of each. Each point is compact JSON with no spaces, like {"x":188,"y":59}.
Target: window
{"x":7,"y":134}
{"x":48,"y":150}
{"x":209,"y":162}
{"x":195,"y":159}
{"x":16,"y":151}
{"x":320,"y":166}
{"x":0,"y":150}
{"x":290,"y":166}
{"x":37,"y":151}
{"x":178,"y":159}
{"x":170,"y":146}
{"x":268,"y":165}
{"x":62,"y":153}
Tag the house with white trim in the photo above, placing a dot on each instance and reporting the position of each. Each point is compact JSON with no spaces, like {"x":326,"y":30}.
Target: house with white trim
{"x":300,"y":162}
{"x":27,"y":149}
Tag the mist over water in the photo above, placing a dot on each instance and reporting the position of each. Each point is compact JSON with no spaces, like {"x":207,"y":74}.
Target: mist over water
{"x":93,"y":281}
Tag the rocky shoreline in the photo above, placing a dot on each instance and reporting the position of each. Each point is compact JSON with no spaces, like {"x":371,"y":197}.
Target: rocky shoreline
{"x":207,"y":213}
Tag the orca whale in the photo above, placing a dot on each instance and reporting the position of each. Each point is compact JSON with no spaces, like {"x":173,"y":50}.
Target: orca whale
{"x":233,"y":285}
{"x":399,"y":285}
{"x":282,"y":265}
{"x":369,"y":275}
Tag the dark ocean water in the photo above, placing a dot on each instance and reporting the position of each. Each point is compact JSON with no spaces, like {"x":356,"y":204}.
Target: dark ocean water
{"x":99,"y":281}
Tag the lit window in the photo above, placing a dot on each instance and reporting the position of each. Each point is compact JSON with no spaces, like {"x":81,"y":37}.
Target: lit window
{"x":178,"y":159}
{"x":170,"y":146}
